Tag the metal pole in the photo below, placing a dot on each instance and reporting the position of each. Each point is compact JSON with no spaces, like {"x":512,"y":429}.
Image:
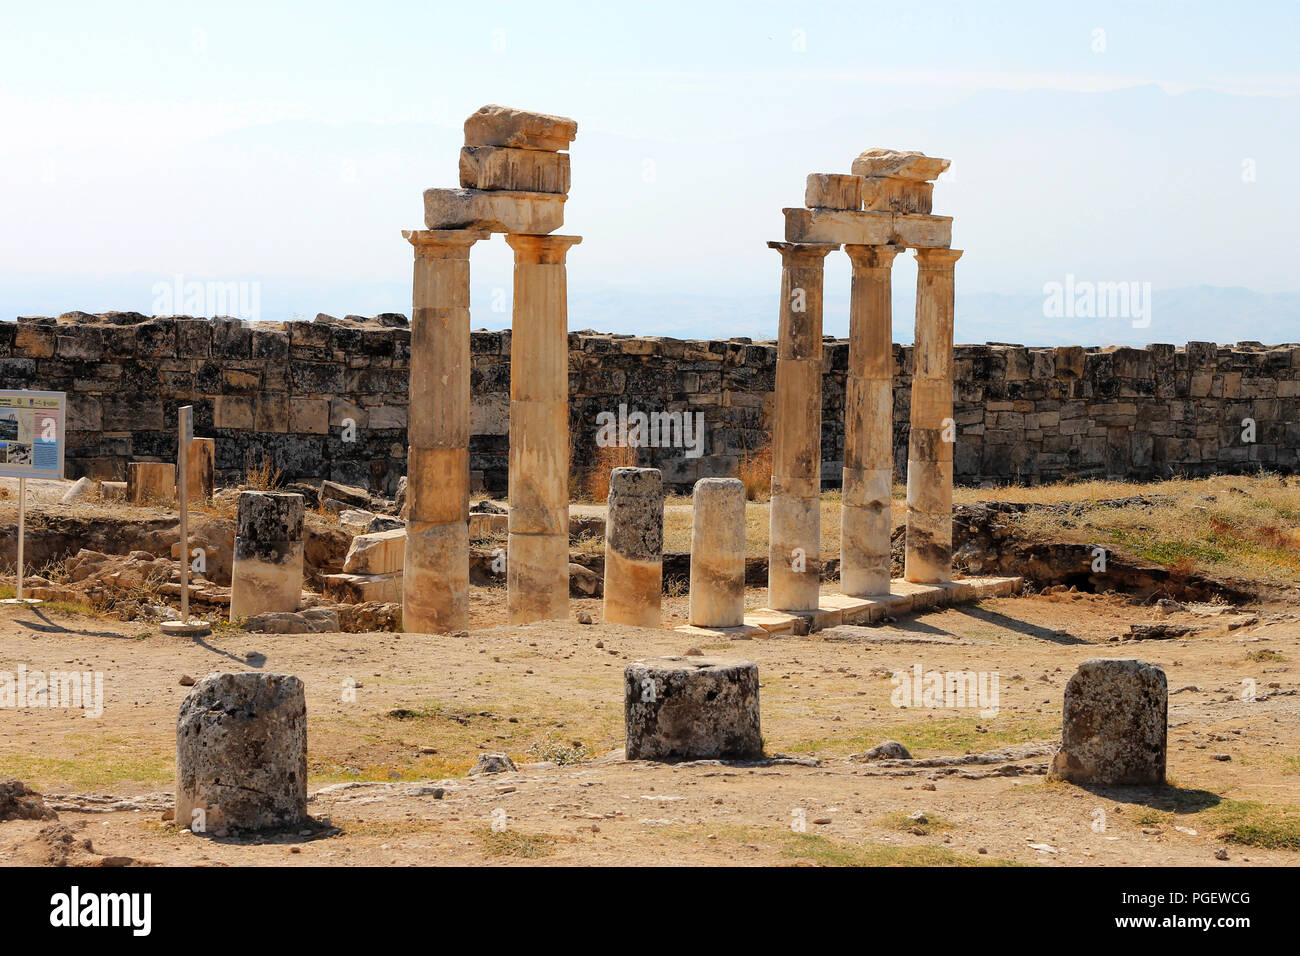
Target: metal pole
{"x":183,"y":493}
{"x":22,"y":521}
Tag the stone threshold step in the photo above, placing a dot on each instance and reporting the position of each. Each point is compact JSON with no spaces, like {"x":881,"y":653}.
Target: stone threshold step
{"x":904,"y":597}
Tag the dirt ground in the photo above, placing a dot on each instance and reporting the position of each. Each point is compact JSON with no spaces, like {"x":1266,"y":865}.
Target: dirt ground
{"x":387,"y":771}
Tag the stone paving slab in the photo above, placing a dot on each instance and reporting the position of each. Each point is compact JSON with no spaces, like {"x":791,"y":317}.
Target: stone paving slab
{"x":904,"y":597}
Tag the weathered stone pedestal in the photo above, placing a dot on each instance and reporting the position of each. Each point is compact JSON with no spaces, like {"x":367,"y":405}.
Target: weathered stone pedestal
{"x":150,"y":482}
{"x":200,"y":469}
{"x":435,"y":581}
{"x":537,"y":568}
{"x":1114,"y":725}
{"x":634,"y":547}
{"x":692,"y":708}
{"x":717,"y":596}
{"x":866,"y":521}
{"x":241,"y":753}
{"x":794,"y":543}
{"x":933,"y":431}
{"x":267,"y":570}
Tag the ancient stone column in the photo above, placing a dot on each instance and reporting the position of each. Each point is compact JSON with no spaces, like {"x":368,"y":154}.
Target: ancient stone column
{"x":865,"y":519}
{"x":794,"y":545}
{"x":267,"y":570}
{"x":718,"y":553}
{"x":241,"y":753}
{"x":634,"y":546}
{"x":933,"y":431}
{"x":537,"y":563}
{"x":435,"y":576}
{"x":691,"y":708}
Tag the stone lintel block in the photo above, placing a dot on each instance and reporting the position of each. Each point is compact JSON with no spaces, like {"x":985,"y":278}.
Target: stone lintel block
{"x":530,"y":213}
{"x":867,"y":228}
{"x":502,"y":168}
{"x":919,"y":231}
{"x":833,"y":191}
{"x":897,"y":195}
{"x":692,"y":708}
{"x":494,"y":125}
{"x":899,"y":164}
{"x":846,"y":226}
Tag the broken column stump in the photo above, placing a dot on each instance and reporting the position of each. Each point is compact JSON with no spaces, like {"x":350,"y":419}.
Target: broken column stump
{"x":241,"y":753}
{"x":717,"y":595}
{"x":1115,"y":724}
{"x":634,"y":547}
{"x":267,"y":571}
{"x":692,"y":708}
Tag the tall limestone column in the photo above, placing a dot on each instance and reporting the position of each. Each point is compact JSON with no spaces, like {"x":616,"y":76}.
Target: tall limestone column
{"x":435,"y":575}
{"x":929,"y":453}
{"x":794,"y":542}
{"x":537,"y":561}
{"x":865,"y":519}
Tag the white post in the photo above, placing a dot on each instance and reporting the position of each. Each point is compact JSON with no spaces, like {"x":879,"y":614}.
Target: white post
{"x":184,"y":428}
{"x":184,"y":438}
{"x":22,"y":522}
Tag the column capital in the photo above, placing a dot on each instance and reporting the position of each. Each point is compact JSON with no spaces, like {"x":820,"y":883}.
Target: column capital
{"x":443,"y":243}
{"x":937,"y":258}
{"x":803,"y":251}
{"x":872,"y":257}
{"x":540,"y":250}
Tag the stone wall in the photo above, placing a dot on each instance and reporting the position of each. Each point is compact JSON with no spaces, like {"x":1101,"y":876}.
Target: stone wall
{"x":287,"y":391}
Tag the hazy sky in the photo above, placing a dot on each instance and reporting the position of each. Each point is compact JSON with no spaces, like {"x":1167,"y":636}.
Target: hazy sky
{"x":288,"y":144}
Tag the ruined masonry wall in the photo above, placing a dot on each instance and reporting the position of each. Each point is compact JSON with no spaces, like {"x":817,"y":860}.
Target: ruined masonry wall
{"x":285,"y":389}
